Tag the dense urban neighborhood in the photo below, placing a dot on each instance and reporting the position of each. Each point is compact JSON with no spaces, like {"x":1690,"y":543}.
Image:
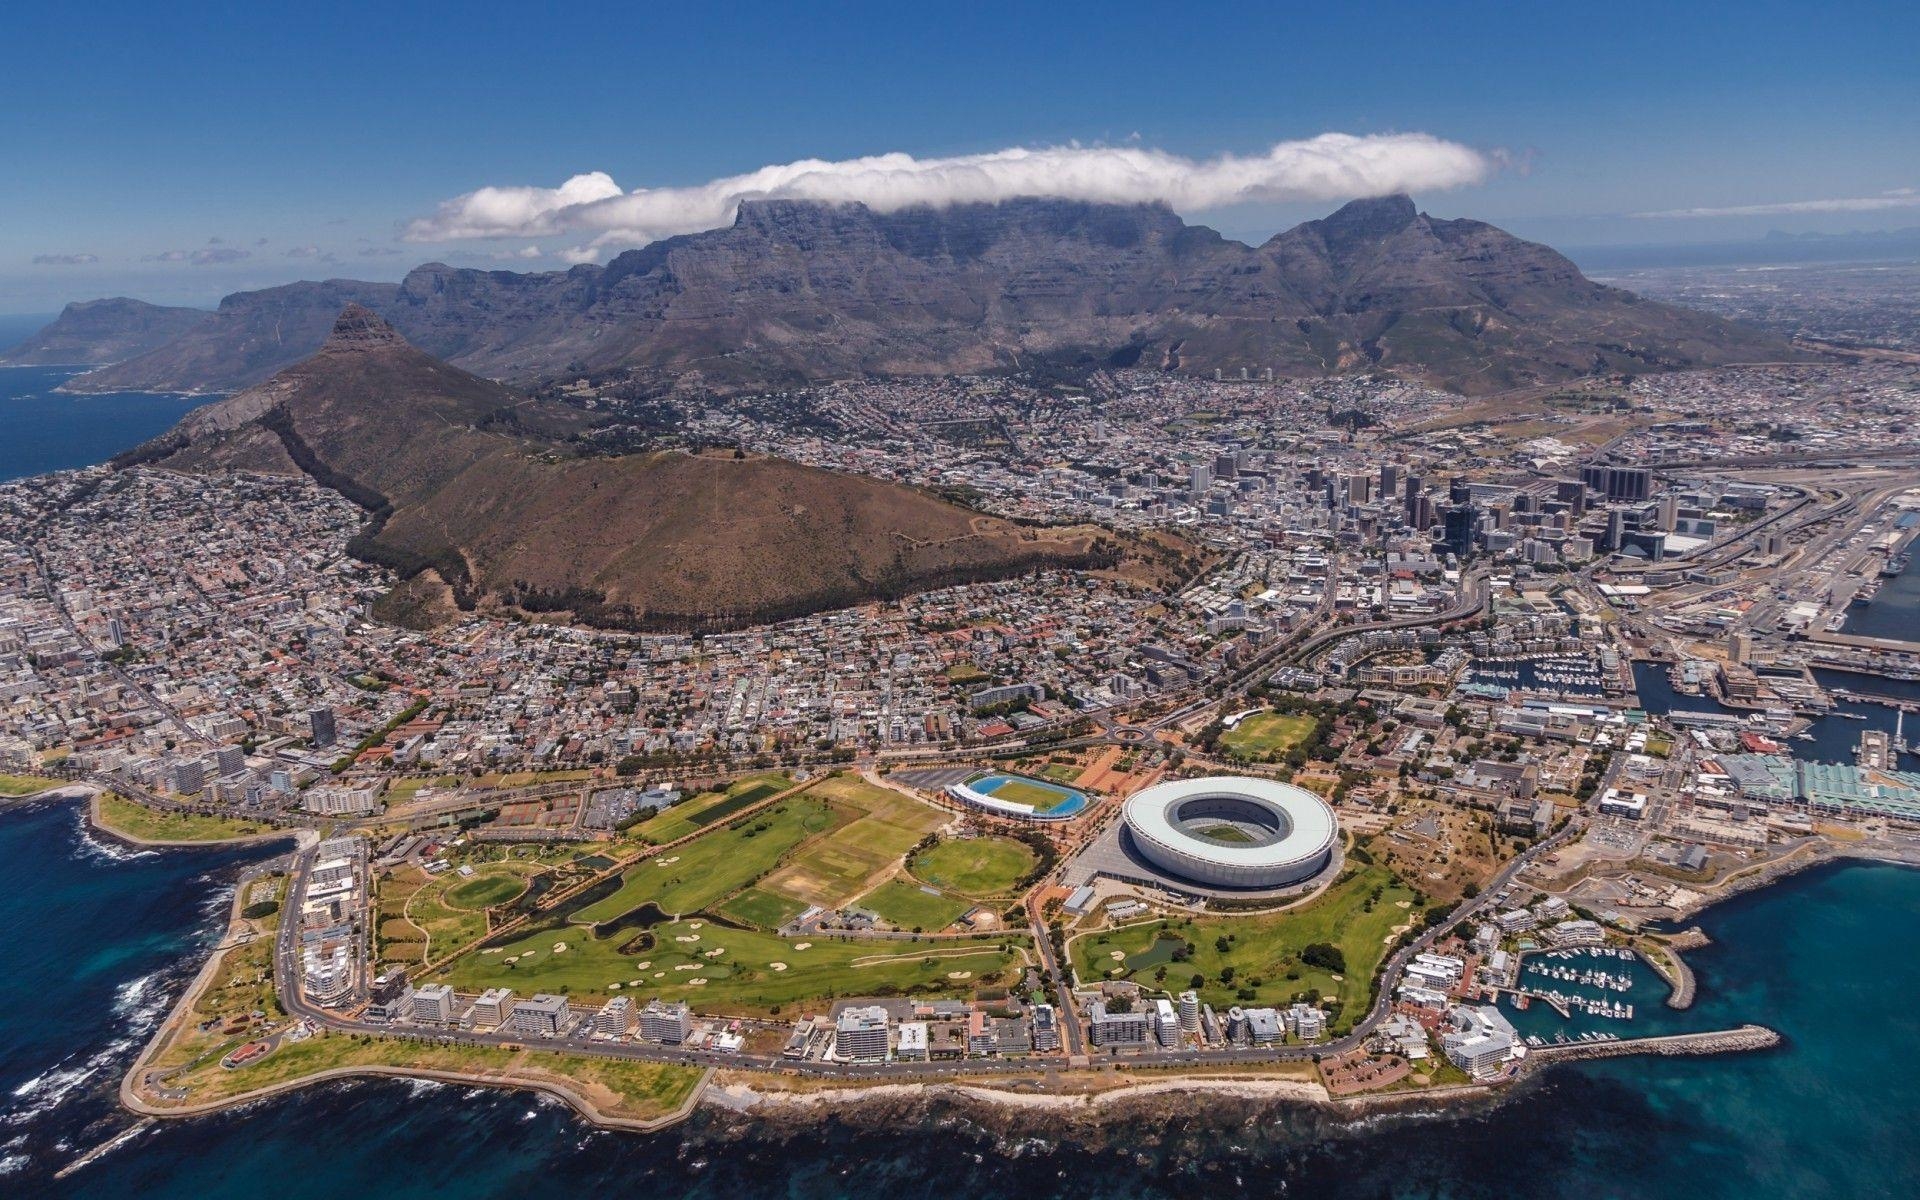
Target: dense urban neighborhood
{"x":1457,"y":709}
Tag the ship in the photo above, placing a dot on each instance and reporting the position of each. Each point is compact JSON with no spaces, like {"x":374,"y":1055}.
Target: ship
{"x":1893,"y":567}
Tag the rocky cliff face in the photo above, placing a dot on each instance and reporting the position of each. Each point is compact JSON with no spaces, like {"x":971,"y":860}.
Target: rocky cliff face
{"x":94,"y":332}
{"x":796,"y":290}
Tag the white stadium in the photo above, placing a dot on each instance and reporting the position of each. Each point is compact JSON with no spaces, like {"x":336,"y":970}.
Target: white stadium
{"x":1232,"y":831}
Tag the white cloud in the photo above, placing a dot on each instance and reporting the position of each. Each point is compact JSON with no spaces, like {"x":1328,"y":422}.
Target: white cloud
{"x":304,"y":252}
{"x":1332,"y":166}
{"x":65,"y":260}
{"x":1897,"y":198}
{"x":522,"y":254}
{"x":215,"y":254}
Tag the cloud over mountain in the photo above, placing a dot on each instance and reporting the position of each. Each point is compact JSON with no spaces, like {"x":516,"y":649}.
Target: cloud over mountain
{"x":1332,"y":166}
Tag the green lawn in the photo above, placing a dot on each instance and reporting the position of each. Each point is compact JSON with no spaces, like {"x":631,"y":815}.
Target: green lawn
{"x":1227,"y":833}
{"x":983,"y":866}
{"x":906,"y":906}
{"x":23,"y":785}
{"x":884,"y":825}
{"x":1266,"y":948}
{"x":405,"y":789}
{"x":638,"y":1089}
{"x":120,"y":815}
{"x":742,"y":978}
{"x":1019,"y":791}
{"x":708,"y":808}
{"x":757,"y":906}
{"x":484,"y":891}
{"x":710,"y":868}
{"x":1266,"y":733}
{"x":418,"y":914}
{"x":1062,"y":773}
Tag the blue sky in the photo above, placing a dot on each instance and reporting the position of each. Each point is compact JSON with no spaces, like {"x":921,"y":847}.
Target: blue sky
{"x":146,"y":137}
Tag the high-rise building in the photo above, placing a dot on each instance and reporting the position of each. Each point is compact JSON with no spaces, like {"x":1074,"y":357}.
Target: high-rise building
{"x":1616,"y":531}
{"x":320,"y":727}
{"x":614,"y":1018}
{"x":188,"y":777}
{"x":860,"y":1035}
{"x":1458,"y":523}
{"x":1166,"y":1022}
{"x":1190,"y":1011}
{"x":668,"y":1024}
{"x":491,"y":1008}
{"x":1202,"y":478}
{"x":1046,"y":1028}
{"x":542,"y":1016}
{"x":433,"y":1004}
{"x":1118,"y":1028}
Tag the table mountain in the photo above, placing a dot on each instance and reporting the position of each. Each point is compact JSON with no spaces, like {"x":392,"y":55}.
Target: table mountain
{"x":481,"y":495}
{"x":796,"y":290}
{"x":95,"y":332}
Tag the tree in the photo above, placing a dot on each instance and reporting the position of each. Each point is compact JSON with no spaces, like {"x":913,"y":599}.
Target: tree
{"x":1326,"y":956}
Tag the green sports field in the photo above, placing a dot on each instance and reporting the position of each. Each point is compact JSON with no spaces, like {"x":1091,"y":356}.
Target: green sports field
{"x":1266,"y":733}
{"x":978,"y":867}
{"x":876,"y":829}
{"x":758,"y":907}
{"x":904,"y":904}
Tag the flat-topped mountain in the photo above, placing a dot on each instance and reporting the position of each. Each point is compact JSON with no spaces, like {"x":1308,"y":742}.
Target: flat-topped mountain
{"x":481,"y":496}
{"x":796,"y":290}
{"x":95,"y":332}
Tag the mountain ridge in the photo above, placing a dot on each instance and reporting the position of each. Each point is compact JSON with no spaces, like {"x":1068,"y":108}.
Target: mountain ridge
{"x":93,"y":333}
{"x":481,"y":498}
{"x":794,"y":291}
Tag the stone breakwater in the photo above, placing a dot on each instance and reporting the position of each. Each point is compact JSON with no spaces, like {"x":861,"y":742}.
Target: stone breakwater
{"x":1722,"y":1041}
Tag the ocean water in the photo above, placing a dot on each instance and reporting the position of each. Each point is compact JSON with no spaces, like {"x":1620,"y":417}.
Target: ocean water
{"x":102,"y":940}
{"x":43,"y":430}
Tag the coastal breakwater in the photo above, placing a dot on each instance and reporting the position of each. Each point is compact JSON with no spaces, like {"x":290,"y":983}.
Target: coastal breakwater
{"x":1720,"y":1041}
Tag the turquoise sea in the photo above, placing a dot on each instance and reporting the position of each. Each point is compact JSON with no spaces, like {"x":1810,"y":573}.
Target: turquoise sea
{"x":101,"y":939}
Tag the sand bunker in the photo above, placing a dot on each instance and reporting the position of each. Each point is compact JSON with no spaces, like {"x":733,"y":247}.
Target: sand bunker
{"x":687,"y":967}
{"x":959,"y":974}
{"x":696,"y":983}
{"x":613,"y":987}
{"x":803,"y":945}
{"x":694,"y":924}
{"x":644,"y":966}
{"x":778,"y":966}
{"x":1117,"y":955}
{"x":495,"y":950}
{"x":559,"y":947}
